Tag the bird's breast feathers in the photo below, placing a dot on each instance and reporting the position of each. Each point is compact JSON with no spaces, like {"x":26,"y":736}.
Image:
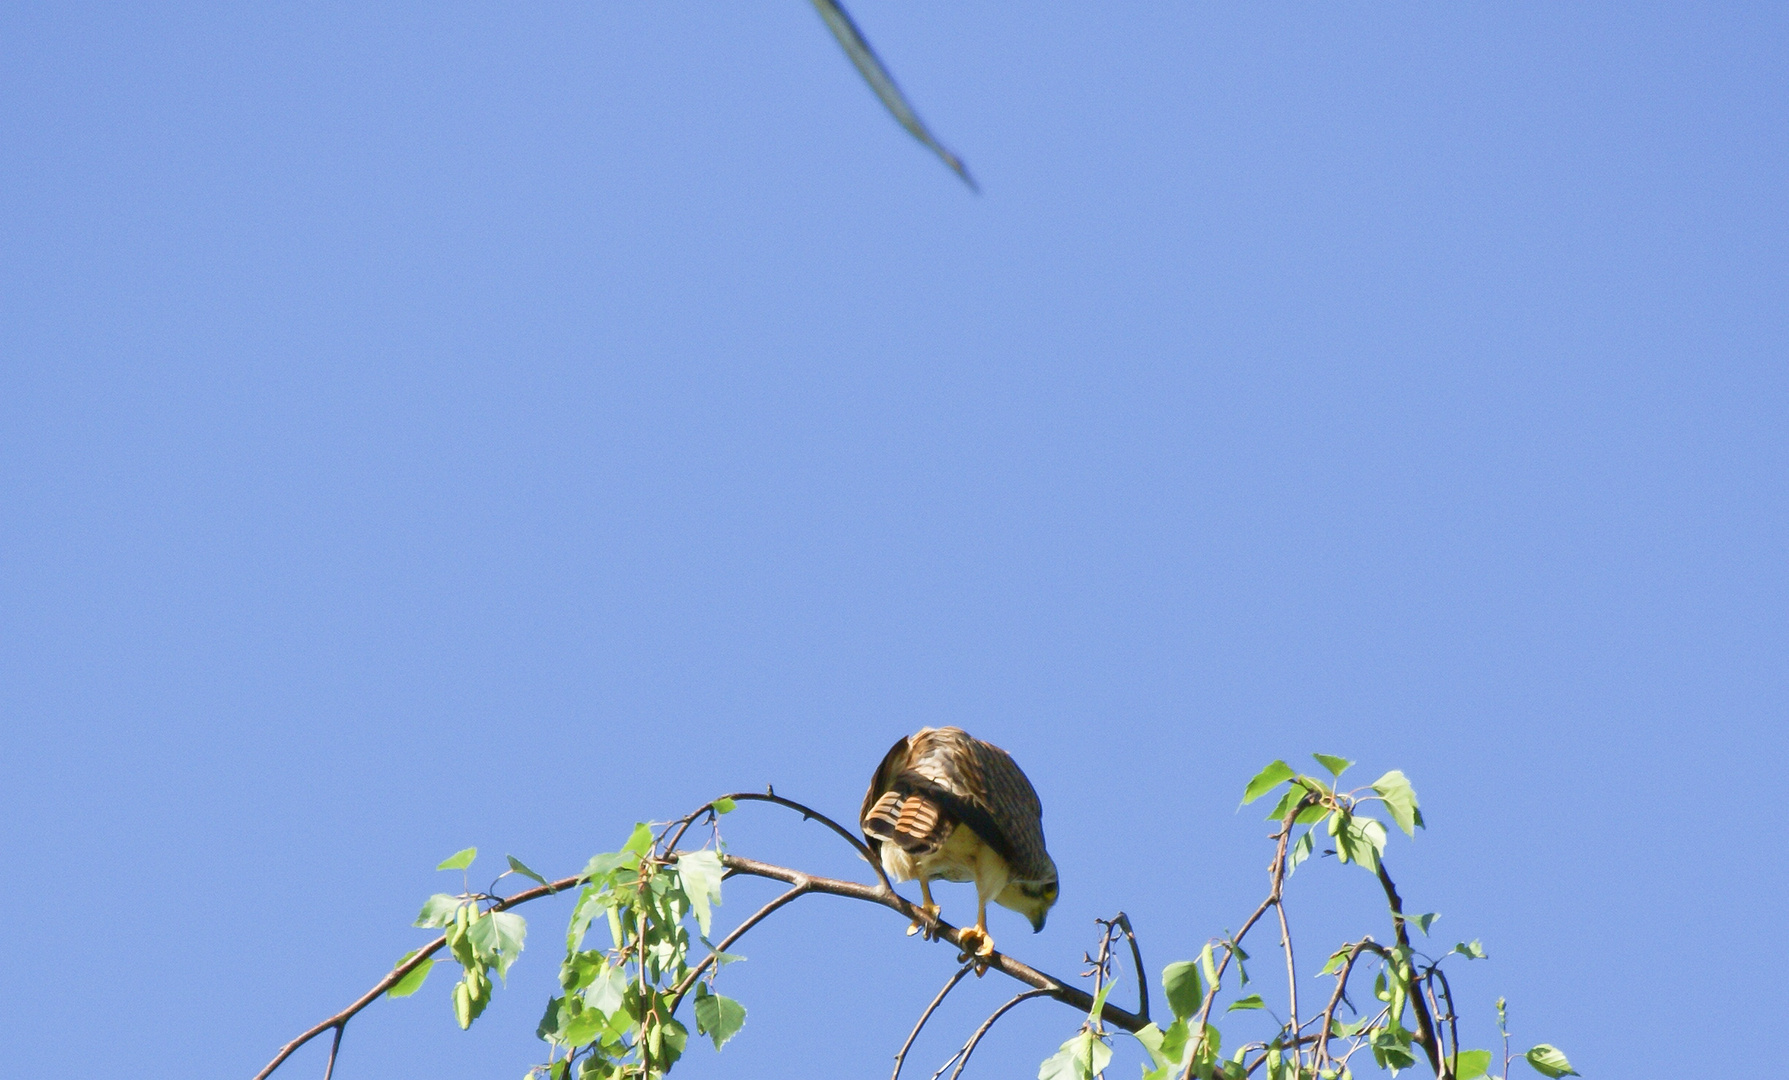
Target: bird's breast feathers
{"x":957,"y":859}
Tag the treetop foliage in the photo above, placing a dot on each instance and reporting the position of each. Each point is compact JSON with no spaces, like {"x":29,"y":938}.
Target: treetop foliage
{"x":618,"y":1012}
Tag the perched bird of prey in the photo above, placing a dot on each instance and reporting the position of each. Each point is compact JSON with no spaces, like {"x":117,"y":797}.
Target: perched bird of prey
{"x":945,"y":805}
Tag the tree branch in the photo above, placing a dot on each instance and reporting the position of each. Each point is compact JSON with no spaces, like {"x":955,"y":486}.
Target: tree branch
{"x":1425,"y":1024}
{"x":927,"y":1015}
{"x":975,"y":1039}
{"x":770,"y":796}
{"x":881,"y":894}
{"x":683,"y":985}
{"x":1329,"y":1011}
{"x":329,"y":1069}
{"x":1276,"y":884}
{"x":1291,"y":969}
{"x":1123,"y":922}
{"x":998,"y":961}
{"x":397,"y":974}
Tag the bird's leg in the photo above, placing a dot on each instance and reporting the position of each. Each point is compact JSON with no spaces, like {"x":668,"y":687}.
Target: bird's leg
{"x":976,"y":941}
{"x":928,"y":912}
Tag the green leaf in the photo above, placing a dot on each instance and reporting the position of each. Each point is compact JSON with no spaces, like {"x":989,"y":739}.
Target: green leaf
{"x":1471,"y":1064}
{"x":1400,"y":800}
{"x":411,"y":982}
{"x":1266,"y":780}
{"x":675,"y":1038}
{"x":1471,"y":950}
{"x":1253,"y":1001}
{"x":600,"y":867}
{"x":1153,"y":1039}
{"x":607,"y":991}
{"x":548,"y":1028}
{"x":1335,"y":962}
{"x":584,"y":1027}
{"x":1099,"y":1001}
{"x":718,"y":1017}
{"x":437,"y":910}
{"x":497,"y":938}
{"x":1550,"y":1061}
{"x":1185,"y":990}
{"x":724,"y":805}
{"x":640,"y":843}
{"x":1167,"y":1050}
{"x":1423,"y":922}
{"x":701,"y":872}
{"x":1393,"y":1056}
{"x":459,"y":860}
{"x":1079,"y":1059}
{"x":1336,"y":765}
{"x":516,"y":865}
{"x":1360,"y":840}
{"x":1301,"y":850}
{"x":1292,"y":797}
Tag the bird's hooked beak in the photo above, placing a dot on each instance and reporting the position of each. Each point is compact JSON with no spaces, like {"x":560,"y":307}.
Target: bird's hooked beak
{"x":1037,"y":921}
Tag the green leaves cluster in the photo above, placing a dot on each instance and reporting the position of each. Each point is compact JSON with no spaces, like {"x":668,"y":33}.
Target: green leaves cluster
{"x":1317,"y":809}
{"x":1184,"y":983}
{"x":617,"y":1014}
{"x":480,"y":938}
{"x":1358,"y":838}
{"x":1085,"y":1055}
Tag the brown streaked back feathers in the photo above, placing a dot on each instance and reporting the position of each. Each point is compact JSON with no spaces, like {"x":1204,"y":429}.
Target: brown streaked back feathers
{"x":938,"y":777}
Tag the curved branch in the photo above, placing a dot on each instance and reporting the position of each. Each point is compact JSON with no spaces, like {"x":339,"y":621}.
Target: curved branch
{"x":806,"y":812}
{"x":998,"y":961}
{"x":1123,"y":922}
{"x":1335,"y":999}
{"x":396,"y":974}
{"x":927,"y":1015}
{"x":1425,"y":1023}
{"x":969,"y":1047}
{"x":802,"y":888}
{"x":882,"y":894}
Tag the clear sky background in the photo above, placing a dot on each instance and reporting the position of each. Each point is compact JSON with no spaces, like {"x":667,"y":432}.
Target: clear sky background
{"x":447,"y":424}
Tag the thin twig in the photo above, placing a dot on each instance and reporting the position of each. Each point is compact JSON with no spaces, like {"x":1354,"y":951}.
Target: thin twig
{"x":393,"y":977}
{"x":1452,"y":1017}
{"x":689,"y":980}
{"x":329,"y":1069}
{"x":1335,"y":999}
{"x":1277,"y":881}
{"x":806,"y":812}
{"x":969,"y":1047}
{"x":927,"y":1015}
{"x":1291,"y":969}
{"x":1124,"y":923}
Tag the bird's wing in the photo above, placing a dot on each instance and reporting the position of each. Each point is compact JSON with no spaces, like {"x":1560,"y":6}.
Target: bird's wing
{"x":1012,"y":802}
{"x":892,"y":764}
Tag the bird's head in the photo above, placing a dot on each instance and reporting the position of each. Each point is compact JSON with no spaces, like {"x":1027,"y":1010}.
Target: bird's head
{"x":1032,"y":899}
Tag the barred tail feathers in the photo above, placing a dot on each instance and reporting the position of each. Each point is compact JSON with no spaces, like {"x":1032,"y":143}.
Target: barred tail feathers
{"x":913,"y":822}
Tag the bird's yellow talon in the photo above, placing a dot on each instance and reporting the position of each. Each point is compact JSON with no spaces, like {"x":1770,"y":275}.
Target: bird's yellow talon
{"x":927,"y":922}
{"x":976,"y":944}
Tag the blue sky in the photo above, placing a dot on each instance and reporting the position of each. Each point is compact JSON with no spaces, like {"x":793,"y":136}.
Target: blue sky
{"x":435,"y":425}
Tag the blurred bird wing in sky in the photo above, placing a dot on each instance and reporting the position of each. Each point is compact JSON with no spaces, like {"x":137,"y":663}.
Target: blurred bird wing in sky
{"x":852,"y":39}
